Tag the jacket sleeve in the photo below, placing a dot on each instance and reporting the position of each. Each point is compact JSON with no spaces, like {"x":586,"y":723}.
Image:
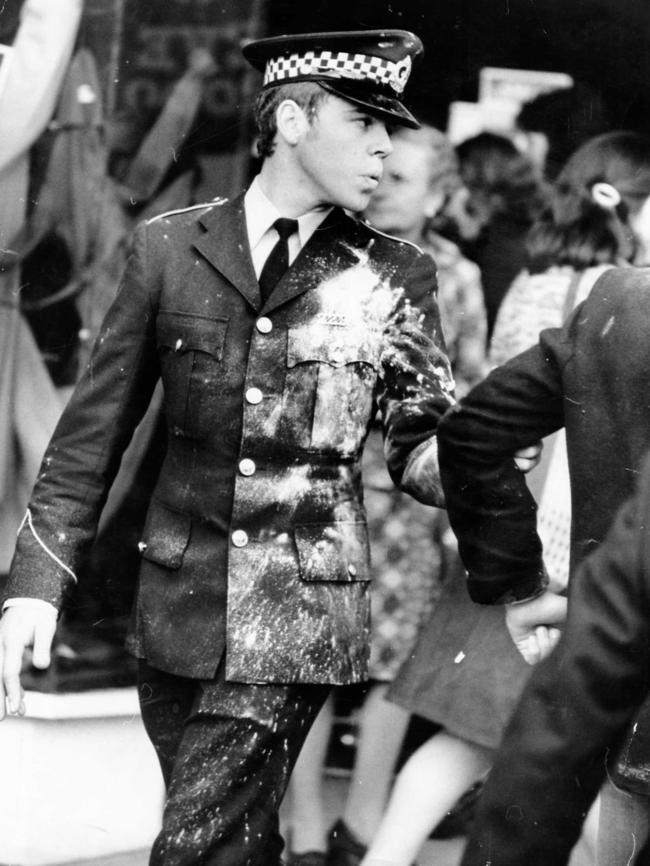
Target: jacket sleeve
{"x":576,"y":706}
{"x":86,"y":448}
{"x":416,"y":385}
{"x":37,"y":64}
{"x":491,"y":510}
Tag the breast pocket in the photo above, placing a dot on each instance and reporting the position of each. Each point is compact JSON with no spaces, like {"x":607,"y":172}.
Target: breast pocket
{"x":191,"y":350}
{"x":331,"y":377}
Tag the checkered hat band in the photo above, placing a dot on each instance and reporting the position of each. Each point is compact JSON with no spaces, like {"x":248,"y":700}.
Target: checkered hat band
{"x":362,"y":67}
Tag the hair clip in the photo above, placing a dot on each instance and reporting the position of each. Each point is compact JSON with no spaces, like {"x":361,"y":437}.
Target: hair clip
{"x":605,"y":195}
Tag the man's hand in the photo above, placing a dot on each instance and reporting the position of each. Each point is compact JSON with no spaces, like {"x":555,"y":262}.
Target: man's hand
{"x":22,"y":627}
{"x":533,"y":625}
{"x":528,"y":458}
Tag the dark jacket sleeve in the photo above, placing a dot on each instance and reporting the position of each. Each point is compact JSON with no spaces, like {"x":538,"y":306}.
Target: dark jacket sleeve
{"x":490,"y":507}
{"x":85,"y":451}
{"x":575,"y":707}
{"x":417,"y":386}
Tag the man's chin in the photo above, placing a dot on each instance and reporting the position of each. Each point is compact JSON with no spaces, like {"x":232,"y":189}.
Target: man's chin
{"x":361,"y":203}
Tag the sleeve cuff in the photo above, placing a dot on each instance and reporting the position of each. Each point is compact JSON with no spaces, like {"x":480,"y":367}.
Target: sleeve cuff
{"x":421,"y":476}
{"x":29,"y":602}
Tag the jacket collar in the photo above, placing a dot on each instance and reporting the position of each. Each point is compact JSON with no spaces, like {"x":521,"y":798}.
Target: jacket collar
{"x":225,"y":246}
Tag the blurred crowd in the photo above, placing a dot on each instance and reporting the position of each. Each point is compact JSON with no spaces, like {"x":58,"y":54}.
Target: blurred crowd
{"x":521,"y":226}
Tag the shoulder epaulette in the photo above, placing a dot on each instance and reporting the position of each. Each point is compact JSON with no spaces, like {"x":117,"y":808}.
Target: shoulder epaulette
{"x":390,"y":237}
{"x":204,"y":206}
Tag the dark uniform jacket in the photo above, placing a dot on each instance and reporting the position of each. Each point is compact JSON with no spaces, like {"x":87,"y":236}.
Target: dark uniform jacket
{"x":592,"y":377}
{"x":255,"y":541}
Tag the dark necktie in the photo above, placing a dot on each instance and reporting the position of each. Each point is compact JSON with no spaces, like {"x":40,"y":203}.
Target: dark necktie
{"x":278,"y":260}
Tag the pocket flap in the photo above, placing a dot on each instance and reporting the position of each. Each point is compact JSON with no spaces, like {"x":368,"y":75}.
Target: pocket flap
{"x":333,"y":551}
{"x":334,"y":346}
{"x":166,"y":536}
{"x":184,"y":332}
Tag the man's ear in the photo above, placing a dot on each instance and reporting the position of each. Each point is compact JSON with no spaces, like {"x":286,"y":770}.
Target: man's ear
{"x":292,"y":122}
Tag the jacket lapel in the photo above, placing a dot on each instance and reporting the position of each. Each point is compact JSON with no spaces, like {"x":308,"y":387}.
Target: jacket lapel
{"x":328,"y":250}
{"x":225,"y":246}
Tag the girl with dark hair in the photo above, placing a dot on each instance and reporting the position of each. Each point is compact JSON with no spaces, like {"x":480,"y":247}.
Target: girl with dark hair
{"x":598,"y":211}
{"x":597,"y":216}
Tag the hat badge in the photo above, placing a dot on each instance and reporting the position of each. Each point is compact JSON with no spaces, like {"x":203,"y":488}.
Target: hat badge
{"x":400,"y":74}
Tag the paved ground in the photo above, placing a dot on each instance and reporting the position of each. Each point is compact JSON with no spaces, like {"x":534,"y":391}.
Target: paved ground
{"x":440,"y":853}
{"x":435,"y":852}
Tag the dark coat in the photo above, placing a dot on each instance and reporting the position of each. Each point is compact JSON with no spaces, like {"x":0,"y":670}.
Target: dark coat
{"x":255,"y":540}
{"x":592,"y":377}
{"x":552,"y":763}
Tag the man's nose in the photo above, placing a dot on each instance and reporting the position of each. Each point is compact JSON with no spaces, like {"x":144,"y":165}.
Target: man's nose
{"x":383,"y":146}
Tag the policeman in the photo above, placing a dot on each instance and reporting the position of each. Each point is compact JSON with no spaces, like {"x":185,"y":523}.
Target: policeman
{"x":278,"y":324}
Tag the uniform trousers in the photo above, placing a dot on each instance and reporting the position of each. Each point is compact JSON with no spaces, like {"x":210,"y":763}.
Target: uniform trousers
{"x":226,"y":751}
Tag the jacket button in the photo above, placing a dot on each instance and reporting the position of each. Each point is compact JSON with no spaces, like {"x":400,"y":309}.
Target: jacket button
{"x":352,"y":570}
{"x":247,"y":466}
{"x":264,"y":325}
{"x":239,"y":538}
{"x":254,"y":396}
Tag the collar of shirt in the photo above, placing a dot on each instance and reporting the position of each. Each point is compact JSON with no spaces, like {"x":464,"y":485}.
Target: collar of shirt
{"x":261,"y":213}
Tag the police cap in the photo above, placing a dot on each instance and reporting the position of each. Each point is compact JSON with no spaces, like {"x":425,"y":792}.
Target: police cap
{"x":367,"y":67}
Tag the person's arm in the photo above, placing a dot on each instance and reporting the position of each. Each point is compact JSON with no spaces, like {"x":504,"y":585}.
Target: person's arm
{"x":418,"y":388}
{"x":576,"y":706}
{"x":416,"y":385}
{"x":491,"y":509}
{"x":38,"y":61}
{"x":78,"y":468}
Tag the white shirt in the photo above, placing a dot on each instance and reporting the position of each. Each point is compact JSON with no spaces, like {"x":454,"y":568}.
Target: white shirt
{"x":260,"y":213}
